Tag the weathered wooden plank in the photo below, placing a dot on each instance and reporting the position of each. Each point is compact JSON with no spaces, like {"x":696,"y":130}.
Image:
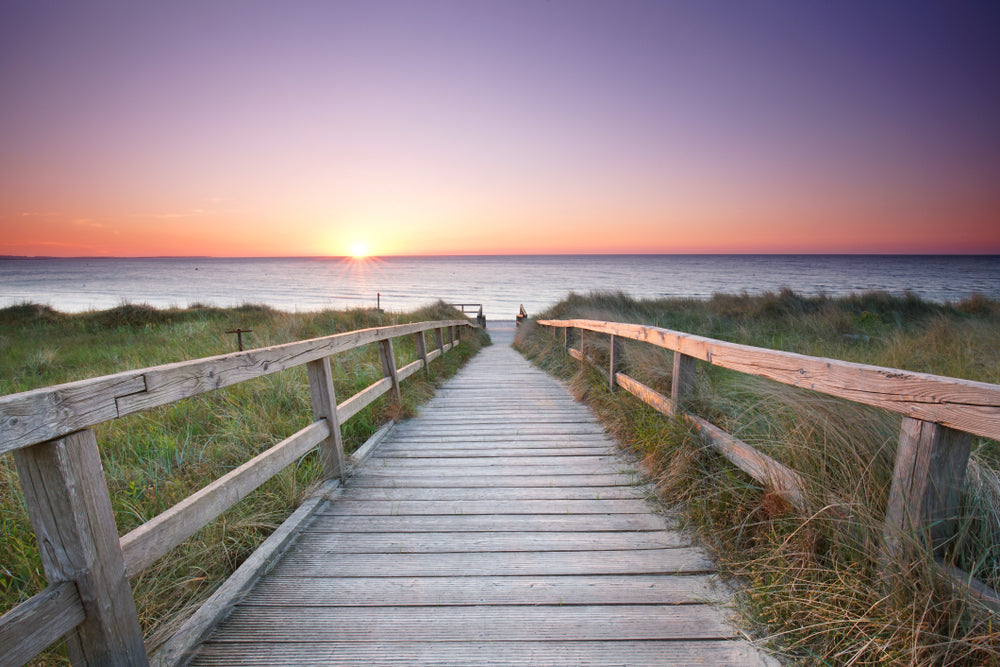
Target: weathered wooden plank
{"x":388,"y":359}
{"x":449,"y":623}
{"x":420,"y":344}
{"x":171,"y":382}
{"x":409,"y":369}
{"x":553,"y":440}
{"x":511,"y":430}
{"x":499,"y":523}
{"x":613,"y":653}
{"x":614,"y":360}
{"x":280,"y":590}
{"x":29,"y":628}
{"x":51,"y":412}
{"x":156,"y":537}
{"x":424,"y":453}
{"x":333,"y":541}
{"x":964,"y":405}
{"x":926,"y":484}
{"x":362,"y":399}
{"x":758,"y":465}
{"x":682,"y":378}
{"x":679,"y":560}
{"x":436,"y":471}
{"x":372,"y":478}
{"x":70,"y":511}
{"x":471,"y":440}
{"x":324,"y":405}
{"x":432,"y":507}
{"x":472,"y":462}
{"x":493,"y":493}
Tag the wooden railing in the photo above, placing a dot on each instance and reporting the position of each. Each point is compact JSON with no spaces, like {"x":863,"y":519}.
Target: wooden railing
{"x":940,"y":415}
{"x":476,"y":308}
{"x":89,"y":600}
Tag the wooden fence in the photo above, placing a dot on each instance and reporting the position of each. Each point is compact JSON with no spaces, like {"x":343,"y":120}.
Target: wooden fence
{"x":89,"y":600}
{"x":940,"y":416}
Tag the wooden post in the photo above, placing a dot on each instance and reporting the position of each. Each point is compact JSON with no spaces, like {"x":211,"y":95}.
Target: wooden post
{"x":614,"y":360}
{"x":583,"y":347}
{"x":70,"y":510}
{"x":926,"y":485}
{"x":388,"y":358}
{"x":324,"y":403}
{"x":458,"y":332}
{"x":421,"y":344}
{"x":439,"y":339}
{"x":567,"y":337}
{"x":682,"y":380}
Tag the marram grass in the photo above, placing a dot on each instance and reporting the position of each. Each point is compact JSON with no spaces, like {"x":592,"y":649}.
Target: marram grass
{"x":809,"y":582}
{"x":156,"y":458}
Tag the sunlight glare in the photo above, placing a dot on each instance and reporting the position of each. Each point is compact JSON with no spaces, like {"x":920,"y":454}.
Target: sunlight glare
{"x":359,"y":250}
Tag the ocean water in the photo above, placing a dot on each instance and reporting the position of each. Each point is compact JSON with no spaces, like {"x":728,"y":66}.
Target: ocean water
{"x":500,"y":283}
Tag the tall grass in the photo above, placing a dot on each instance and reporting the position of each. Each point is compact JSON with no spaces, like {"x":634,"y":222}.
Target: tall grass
{"x":156,"y":458}
{"x":810,"y":579}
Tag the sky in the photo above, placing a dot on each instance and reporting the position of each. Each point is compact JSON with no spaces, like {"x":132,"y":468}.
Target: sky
{"x":246,"y":128}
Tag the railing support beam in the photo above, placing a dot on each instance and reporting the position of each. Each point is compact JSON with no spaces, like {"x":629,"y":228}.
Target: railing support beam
{"x":926,"y":486}
{"x":324,"y":403}
{"x":682,"y":379}
{"x":388,"y":357}
{"x":421,"y":344}
{"x":70,"y":510}
{"x":614,"y":360}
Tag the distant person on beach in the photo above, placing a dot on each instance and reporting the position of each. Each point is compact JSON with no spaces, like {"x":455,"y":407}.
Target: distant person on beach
{"x":521,"y":315}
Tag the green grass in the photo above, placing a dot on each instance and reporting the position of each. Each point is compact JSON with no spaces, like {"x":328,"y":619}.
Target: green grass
{"x":809,"y":581}
{"x":156,"y":458}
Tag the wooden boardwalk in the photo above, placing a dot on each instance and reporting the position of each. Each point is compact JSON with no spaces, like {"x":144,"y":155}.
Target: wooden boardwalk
{"x":499,"y":527}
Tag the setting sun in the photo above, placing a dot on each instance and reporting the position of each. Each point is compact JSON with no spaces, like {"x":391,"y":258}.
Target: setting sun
{"x":359,"y":250}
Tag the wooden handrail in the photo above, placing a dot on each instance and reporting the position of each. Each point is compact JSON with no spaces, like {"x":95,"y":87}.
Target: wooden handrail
{"x":51,"y":412}
{"x":965,"y":405}
{"x":939,"y":412}
{"x":58,"y":461}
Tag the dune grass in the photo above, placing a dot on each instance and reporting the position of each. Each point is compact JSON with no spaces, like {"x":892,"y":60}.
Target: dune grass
{"x":809,"y":581}
{"x":156,"y":458}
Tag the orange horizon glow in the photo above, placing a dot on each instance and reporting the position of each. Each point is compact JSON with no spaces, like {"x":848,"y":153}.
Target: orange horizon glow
{"x":229,"y":130}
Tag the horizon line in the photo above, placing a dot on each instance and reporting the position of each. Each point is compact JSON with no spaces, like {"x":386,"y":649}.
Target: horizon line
{"x":522,"y":254}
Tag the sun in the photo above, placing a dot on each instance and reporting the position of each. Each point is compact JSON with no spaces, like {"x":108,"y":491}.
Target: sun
{"x":359,"y":250}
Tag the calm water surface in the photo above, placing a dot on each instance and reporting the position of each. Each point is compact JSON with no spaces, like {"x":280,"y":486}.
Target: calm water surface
{"x":501,"y":283}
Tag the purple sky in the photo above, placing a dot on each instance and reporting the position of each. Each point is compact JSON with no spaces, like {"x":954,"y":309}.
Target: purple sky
{"x":300,"y":128}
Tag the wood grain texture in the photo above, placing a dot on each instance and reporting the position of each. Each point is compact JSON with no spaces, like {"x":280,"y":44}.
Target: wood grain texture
{"x":964,"y":405}
{"x":388,"y":358}
{"x":499,"y":527}
{"x":476,"y":591}
{"x":27,"y":629}
{"x":479,"y":653}
{"x":324,"y":405}
{"x":926,"y":484}
{"x":70,"y":511}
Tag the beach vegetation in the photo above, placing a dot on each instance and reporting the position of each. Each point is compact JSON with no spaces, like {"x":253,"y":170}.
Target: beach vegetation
{"x":154,"y":459}
{"x":810,"y":586}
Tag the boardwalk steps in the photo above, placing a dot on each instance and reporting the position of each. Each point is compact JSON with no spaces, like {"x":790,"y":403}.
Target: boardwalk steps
{"x":501,"y":526}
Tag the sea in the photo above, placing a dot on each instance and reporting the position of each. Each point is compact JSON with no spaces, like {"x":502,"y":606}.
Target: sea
{"x":501,"y":284}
